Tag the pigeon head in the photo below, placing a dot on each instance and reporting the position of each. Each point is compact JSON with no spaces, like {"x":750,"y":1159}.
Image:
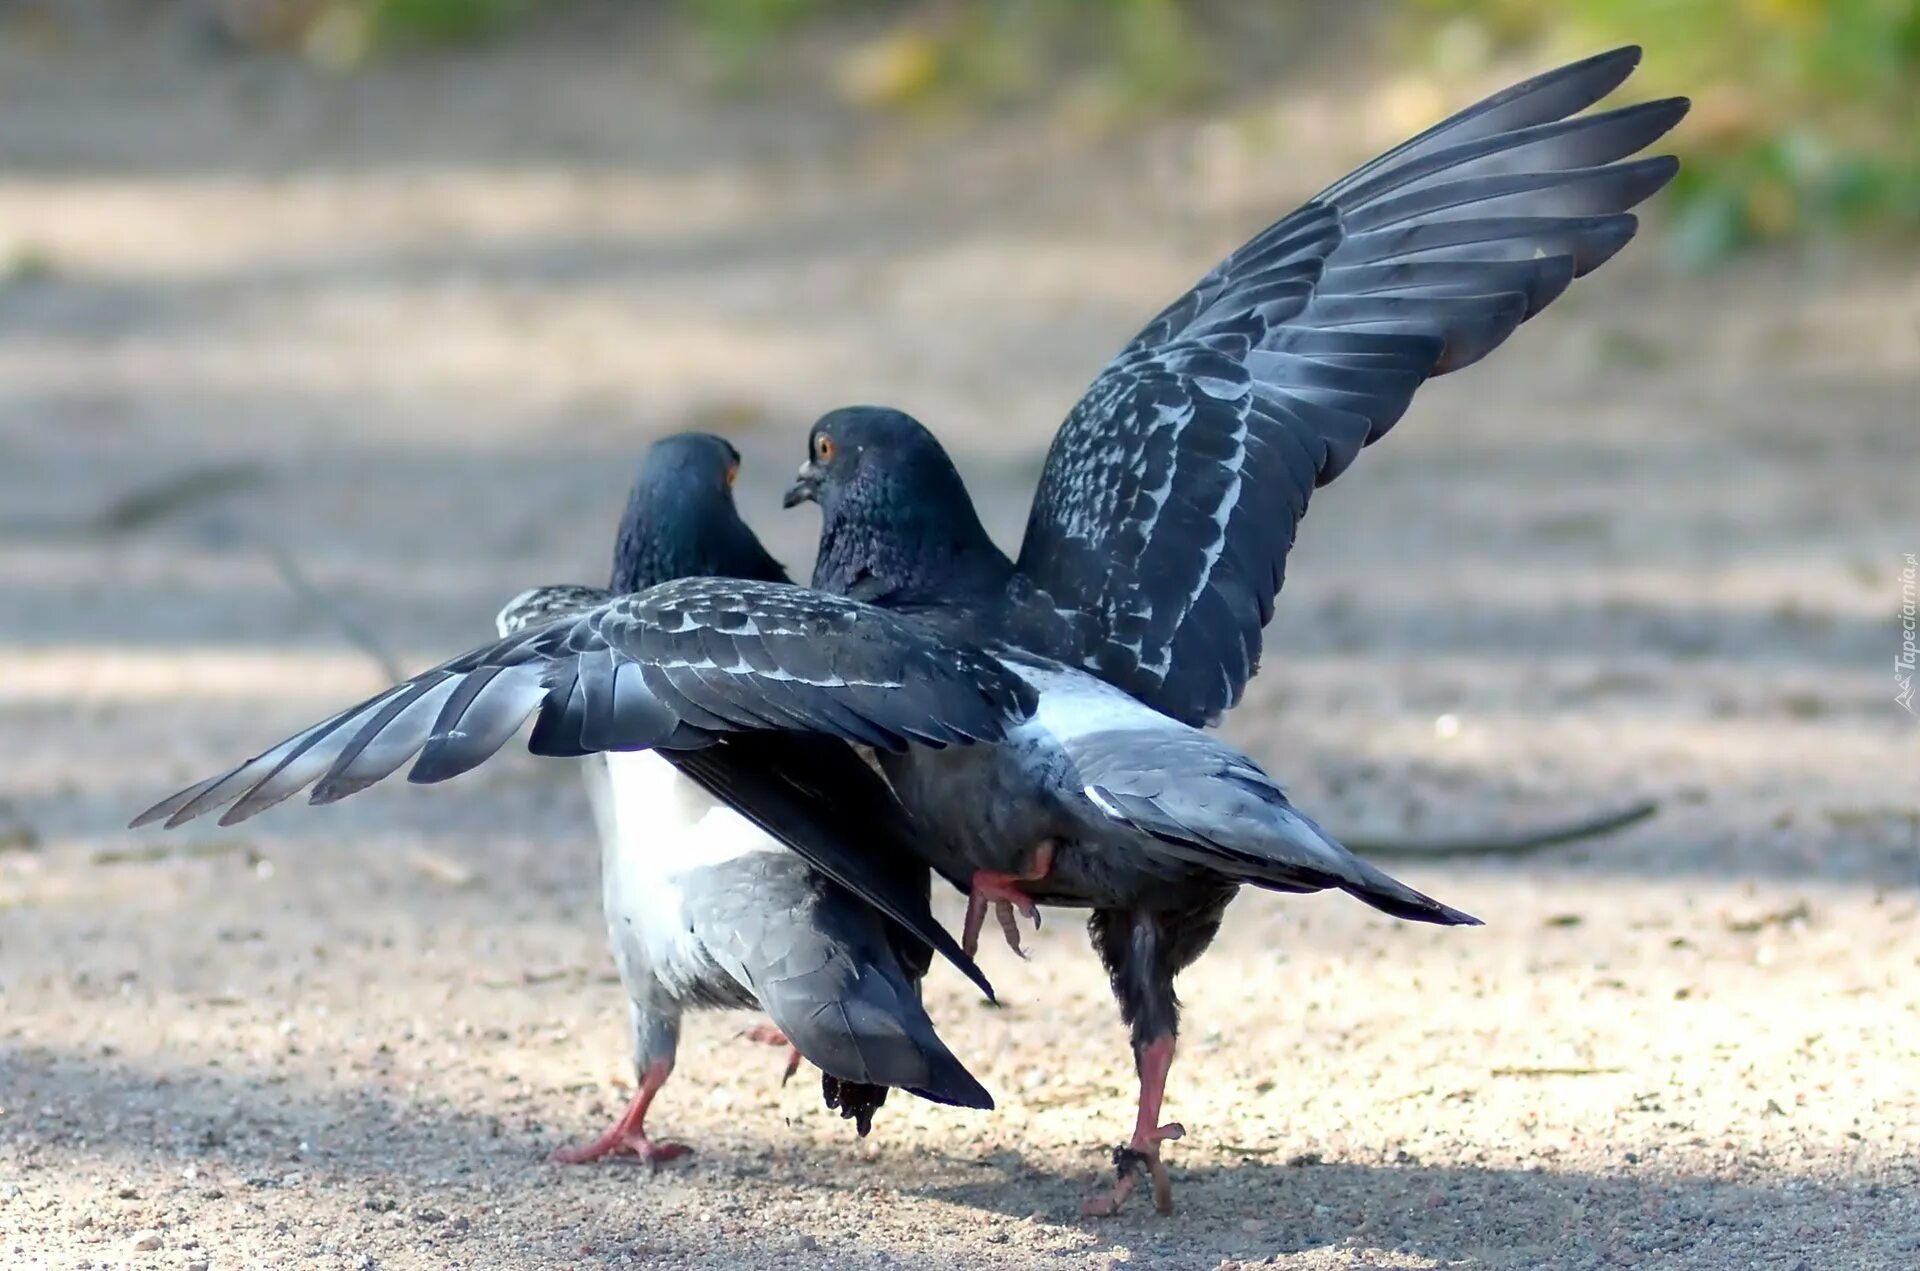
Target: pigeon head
{"x":681,"y":520}
{"x":896,"y":521}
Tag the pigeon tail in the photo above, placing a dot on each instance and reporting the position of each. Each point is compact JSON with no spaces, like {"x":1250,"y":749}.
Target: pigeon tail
{"x":1372,"y":885}
{"x":872,"y":1031}
{"x":948,"y":1080}
{"x":1242,"y":826}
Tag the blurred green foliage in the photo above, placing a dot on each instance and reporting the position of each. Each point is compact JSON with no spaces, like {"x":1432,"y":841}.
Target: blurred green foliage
{"x":343,"y":34}
{"x":440,"y":21}
{"x":1807,"y":112}
{"x":1120,"y":56}
{"x":1806,"y":121}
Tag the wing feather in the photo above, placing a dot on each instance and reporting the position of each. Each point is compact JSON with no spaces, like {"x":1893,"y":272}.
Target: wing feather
{"x":1172,"y":493}
{"x":656,"y":669}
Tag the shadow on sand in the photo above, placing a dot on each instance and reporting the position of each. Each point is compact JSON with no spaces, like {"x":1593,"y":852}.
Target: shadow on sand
{"x":268,"y":1131}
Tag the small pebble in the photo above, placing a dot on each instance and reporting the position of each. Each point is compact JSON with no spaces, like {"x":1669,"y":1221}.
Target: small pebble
{"x":146,"y":1241}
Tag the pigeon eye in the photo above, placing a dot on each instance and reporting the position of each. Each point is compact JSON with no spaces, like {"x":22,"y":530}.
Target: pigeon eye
{"x":733,"y":474}
{"x":823,"y":448}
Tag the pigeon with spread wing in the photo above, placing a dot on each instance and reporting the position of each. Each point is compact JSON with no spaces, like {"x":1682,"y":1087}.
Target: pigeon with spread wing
{"x":746,"y":863}
{"x":1159,"y":535}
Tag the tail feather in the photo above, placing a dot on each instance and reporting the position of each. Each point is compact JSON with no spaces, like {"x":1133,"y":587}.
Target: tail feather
{"x":1373,"y":885}
{"x":948,"y":1080}
{"x":877,"y":1034}
{"x":1266,"y":842}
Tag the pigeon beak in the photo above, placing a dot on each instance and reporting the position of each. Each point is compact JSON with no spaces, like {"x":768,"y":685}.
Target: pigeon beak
{"x":805,"y":487}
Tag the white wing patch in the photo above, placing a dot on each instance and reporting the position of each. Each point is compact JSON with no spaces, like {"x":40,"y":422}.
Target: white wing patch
{"x":1073,"y":703}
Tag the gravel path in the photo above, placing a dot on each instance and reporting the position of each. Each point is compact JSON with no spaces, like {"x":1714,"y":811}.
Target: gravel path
{"x":415,"y":328}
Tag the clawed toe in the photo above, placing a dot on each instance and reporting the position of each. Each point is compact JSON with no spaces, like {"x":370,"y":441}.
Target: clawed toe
{"x":1005,"y":893}
{"x":637,"y":1148}
{"x":627,"y":1137}
{"x":1005,"y":912}
{"x":657,"y":1154}
{"x":1128,"y":1164}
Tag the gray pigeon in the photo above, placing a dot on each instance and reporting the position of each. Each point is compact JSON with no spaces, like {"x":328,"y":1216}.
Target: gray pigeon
{"x":1159,"y":535}
{"x":710,"y":897}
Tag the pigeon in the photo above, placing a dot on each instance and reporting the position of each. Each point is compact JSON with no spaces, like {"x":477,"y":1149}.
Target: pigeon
{"x":703,"y":907}
{"x":754,"y":859}
{"x":1158,"y":537}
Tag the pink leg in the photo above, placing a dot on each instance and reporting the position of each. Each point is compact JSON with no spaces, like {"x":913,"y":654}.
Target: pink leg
{"x":628,"y":1136}
{"x":1148,"y":1134}
{"x":770,"y":1035}
{"x":1004,"y":893}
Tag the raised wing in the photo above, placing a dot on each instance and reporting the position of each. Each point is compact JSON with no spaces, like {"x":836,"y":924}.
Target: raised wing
{"x":673,"y":667}
{"x":1170,"y":498}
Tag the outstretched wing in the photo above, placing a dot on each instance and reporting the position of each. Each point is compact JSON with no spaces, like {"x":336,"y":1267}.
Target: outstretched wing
{"x":673,"y":667}
{"x":814,"y":794}
{"x":1170,"y":498}
{"x":538,"y":606}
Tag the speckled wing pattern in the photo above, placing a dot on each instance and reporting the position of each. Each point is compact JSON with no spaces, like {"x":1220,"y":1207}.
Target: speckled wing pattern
{"x":1170,"y":498}
{"x":673,"y":667}
{"x":537,"y":606}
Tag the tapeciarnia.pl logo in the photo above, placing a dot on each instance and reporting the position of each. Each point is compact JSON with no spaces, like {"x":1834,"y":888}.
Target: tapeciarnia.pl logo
{"x":1903,"y":661}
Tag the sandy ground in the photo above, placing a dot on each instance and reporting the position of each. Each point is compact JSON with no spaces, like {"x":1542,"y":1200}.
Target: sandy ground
{"x":424,"y":321}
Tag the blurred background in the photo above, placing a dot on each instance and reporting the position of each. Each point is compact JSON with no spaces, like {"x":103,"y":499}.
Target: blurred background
{"x":328,"y":325}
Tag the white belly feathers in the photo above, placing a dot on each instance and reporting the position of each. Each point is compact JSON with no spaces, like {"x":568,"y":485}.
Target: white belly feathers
{"x":656,"y":825}
{"x":664,"y":823}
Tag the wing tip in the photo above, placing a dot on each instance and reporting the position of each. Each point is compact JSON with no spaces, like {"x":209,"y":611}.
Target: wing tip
{"x":239,"y":812}
{"x":1670,"y":109}
{"x":969,"y":968}
{"x":435,"y":764}
{"x":157,"y":812}
{"x":170,"y":808}
{"x":1618,"y":64}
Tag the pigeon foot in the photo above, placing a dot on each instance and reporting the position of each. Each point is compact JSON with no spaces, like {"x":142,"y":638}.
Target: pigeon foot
{"x":1005,"y":894}
{"x":1142,"y":1153}
{"x":614,"y":1144}
{"x":627,"y":1137}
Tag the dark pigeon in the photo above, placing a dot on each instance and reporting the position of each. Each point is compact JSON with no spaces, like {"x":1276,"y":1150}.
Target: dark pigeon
{"x":730,"y":878}
{"x":1159,"y":534}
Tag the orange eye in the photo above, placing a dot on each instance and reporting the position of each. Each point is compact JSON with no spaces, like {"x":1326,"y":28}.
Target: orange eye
{"x":823,"y":448}
{"x":733,"y":474}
